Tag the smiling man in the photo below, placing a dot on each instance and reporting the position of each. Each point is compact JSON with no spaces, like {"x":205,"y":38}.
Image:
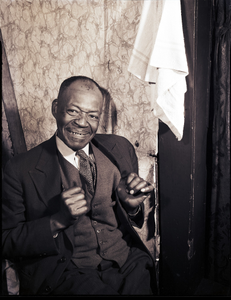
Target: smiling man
{"x":77,"y":111}
{"x":70,"y":206}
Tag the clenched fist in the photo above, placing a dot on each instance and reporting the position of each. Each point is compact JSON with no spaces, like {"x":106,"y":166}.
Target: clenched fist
{"x":133,"y":190}
{"x":73,"y":205}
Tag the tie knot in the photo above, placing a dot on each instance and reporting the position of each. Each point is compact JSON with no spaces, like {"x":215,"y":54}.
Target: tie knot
{"x":82,"y":154}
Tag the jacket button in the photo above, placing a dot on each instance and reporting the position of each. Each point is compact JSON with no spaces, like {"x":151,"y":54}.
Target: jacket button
{"x":63,"y":259}
{"x":48,"y":288}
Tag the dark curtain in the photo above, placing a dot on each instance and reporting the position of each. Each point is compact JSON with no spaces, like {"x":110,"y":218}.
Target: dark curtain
{"x":218,"y":208}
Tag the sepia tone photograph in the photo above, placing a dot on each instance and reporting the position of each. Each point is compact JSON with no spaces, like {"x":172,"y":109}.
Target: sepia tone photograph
{"x":115,"y":147}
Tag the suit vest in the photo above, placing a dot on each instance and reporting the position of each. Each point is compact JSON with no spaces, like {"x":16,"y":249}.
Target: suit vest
{"x":96,"y":235}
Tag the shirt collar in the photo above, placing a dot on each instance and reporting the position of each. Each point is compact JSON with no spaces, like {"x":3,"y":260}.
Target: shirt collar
{"x":67,"y":151}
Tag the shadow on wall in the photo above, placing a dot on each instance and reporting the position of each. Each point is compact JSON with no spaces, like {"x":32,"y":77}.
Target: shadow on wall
{"x":109,"y":117}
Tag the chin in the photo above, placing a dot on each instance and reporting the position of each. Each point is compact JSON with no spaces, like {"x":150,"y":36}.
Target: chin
{"x":77,"y":145}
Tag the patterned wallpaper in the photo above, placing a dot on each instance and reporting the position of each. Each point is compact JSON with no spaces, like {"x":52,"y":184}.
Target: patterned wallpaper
{"x":47,"y":41}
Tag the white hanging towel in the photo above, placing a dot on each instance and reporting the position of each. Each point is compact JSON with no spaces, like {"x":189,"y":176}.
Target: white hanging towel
{"x":159,"y":56}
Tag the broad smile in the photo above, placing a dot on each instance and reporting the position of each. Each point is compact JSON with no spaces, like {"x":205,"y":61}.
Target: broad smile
{"x":78,"y":133}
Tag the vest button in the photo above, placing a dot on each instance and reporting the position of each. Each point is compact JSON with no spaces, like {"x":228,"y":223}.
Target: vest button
{"x":98,"y":230}
{"x":94,"y":222}
{"x":48,"y":288}
{"x":63,"y":259}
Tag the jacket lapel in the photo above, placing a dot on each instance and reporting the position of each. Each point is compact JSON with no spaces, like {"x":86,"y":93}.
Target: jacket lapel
{"x":46,"y":175}
{"x":112,"y":151}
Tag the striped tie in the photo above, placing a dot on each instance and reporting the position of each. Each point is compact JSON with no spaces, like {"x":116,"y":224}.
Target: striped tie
{"x":85,"y":170}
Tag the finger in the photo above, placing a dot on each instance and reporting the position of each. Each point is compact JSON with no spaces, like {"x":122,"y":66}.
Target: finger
{"x":75,"y":190}
{"x":147,"y":189}
{"x":80,"y":204}
{"x":139,"y":188}
{"x":142,"y":186}
{"x":80,"y":211}
{"x":72,"y":191}
{"x":78,"y":207}
{"x":74,"y":199}
{"x":135,"y":184}
{"x":137,"y":200}
{"x":133,"y":180}
{"x":130,"y":177}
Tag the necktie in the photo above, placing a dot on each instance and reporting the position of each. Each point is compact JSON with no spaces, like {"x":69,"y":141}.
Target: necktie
{"x":85,"y":170}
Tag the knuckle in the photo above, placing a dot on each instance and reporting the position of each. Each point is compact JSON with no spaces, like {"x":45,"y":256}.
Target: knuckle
{"x":133,"y":174}
{"x":84,"y":202}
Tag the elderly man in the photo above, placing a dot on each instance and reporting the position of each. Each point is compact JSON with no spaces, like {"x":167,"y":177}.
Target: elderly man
{"x":71,"y":203}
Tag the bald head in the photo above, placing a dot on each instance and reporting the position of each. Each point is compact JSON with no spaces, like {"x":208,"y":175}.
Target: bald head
{"x":82,"y":82}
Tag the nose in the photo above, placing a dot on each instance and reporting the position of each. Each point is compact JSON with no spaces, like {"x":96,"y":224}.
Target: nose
{"x":82,"y":120}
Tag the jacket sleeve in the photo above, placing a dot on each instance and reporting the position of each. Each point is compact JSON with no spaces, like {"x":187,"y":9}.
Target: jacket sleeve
{"x":21,"y":237}
{"x":132,"y":159}
{"x":131,"y":155}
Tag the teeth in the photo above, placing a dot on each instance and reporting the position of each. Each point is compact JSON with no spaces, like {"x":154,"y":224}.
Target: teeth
{"x":76,"y":133}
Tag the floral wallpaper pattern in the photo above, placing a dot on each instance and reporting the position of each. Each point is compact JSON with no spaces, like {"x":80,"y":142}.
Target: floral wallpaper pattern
{"x":47,"y":41}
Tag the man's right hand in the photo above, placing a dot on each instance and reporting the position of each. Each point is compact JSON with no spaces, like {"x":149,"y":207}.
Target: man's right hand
{"x":73,"y":205}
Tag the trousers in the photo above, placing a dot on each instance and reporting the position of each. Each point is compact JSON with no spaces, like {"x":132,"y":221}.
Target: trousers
{"x":133,"y":278}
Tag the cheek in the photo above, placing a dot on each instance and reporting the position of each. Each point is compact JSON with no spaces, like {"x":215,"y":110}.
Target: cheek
{"x":62,"y":121}
{"x":94,"y":128}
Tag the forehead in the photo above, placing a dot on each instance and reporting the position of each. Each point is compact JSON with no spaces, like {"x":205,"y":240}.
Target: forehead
{"x":84,"y":84}
{"x":82,"y":90}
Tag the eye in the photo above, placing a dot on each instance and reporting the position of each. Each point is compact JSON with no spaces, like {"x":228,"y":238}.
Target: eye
{"x":73,"y":112}
{"x":93,"y":117}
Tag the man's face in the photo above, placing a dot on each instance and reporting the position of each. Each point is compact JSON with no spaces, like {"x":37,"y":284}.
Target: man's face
{"x":77,"y":114}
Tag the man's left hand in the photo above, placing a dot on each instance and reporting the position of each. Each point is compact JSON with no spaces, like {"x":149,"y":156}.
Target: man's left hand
{"x":133,"y":190}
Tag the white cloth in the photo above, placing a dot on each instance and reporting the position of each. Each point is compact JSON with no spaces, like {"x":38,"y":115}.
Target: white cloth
{"x":159,"y":56}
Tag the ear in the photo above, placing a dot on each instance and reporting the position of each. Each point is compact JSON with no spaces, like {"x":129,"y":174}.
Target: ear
{"x":54,"y":108}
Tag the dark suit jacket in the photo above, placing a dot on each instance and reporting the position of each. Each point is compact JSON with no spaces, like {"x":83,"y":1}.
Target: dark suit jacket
{"x":31,"y":189}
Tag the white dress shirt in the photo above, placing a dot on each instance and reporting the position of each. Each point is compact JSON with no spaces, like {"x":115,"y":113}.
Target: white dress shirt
{"x":68,"y":153}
